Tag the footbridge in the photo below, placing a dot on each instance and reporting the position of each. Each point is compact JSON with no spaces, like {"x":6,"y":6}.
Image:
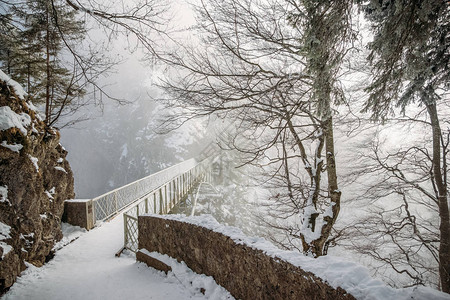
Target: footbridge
{"x":173,"y":189}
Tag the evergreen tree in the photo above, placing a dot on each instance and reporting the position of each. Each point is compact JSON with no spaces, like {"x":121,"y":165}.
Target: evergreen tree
{"x":27,"y":50}
{"x":410,"y":57}
{"x":33,"y":54}
{"x":9,"y":47}
{"x":41,"y":46}
{"x":327,"y":33}
{"x":51,"y":22}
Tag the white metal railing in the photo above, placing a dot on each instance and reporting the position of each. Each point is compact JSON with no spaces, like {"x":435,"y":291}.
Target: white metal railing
{"x":109,"y":204}
{"x":163,"y":198}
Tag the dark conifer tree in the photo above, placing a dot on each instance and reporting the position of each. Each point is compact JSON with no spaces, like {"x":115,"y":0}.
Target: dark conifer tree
{"x":410,"y":57}
{"x":34,"y":53}
{"x":43,"y":46}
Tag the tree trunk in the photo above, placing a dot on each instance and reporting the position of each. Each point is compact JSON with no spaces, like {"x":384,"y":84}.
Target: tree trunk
{"x":333,"y":190}
{"x":444,"y":228}
{"x":8,"y":55}
{"x":28,"y":80}
{"x":315,"y":248}
{"x":47,"y":83}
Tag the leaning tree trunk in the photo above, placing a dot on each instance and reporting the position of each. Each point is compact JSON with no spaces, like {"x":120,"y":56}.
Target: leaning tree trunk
{"x":438,"y":177}
{"x":316,"y":246}
{"x":333,"y":191}
{"x":314,"y":173}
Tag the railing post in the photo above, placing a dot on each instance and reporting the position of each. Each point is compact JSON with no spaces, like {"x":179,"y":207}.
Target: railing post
{"x":161,"y":202}
{"x":179,"y":189}
{"x":115,"y":200}
{"x":188,"y":187}
{"x":154,"y":203}
{"x":175,"y":195}
{"x":146,"y":205}
{"x":94,"y":212}
{"x":173,"y":192}
{"x":125,"y":230}
{"x":168,"y":190}
{"x":181,"y":186}
{"x":165,"y":200}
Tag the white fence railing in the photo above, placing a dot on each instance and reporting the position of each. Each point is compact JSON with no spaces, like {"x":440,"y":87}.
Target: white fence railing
{"x":109,"y":204}
{"x":160,"y":200}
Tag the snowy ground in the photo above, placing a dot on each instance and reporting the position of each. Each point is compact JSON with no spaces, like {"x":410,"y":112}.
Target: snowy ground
{"x":336,"y":271}
{"x":88,"y":269}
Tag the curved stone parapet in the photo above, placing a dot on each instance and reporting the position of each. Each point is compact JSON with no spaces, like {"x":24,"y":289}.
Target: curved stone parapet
{"x":245,"y":271}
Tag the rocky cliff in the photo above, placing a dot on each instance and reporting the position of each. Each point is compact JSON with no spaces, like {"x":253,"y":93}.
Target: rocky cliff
{"x":35,"y":179}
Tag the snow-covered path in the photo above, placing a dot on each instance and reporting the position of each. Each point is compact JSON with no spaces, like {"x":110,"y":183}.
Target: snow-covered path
{"x":88,"y":269}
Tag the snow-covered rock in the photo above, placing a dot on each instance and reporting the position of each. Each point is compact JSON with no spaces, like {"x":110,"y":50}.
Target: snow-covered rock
{"x":29,"y":152}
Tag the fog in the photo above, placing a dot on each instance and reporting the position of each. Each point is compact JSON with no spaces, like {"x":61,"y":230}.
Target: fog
{"x":118,"y":144}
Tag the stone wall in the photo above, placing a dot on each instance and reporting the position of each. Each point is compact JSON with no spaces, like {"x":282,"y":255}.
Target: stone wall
{"x":79,"y":212}
{"x":247,"y":273}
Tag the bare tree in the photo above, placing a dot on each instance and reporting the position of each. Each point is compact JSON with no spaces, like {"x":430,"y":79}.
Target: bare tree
{"x":410,"y":56}
{"x":397,"y":224}
{"x":271,"y":68}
